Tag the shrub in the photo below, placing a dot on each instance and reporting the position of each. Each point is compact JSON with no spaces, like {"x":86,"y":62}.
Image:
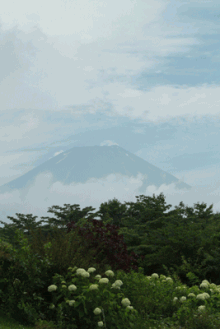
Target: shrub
{"x":5,"y":263}
{"x":84,"y":301}
{"x":25,"y":278}
{"x":28,"y":271}
{"x":38,"y":258}
{"x":63,"y":250}
{"x":108,"y":245}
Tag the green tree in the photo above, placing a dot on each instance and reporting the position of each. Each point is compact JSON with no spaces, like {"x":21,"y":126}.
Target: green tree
{"x":23,"y":223}
{"x":190,"y":233}
{"x":134,"y":220}
{"x":67,"y":214}
{"x":27,"y":222}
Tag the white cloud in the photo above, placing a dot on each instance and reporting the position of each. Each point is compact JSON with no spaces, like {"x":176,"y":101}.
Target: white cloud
{"x":67,"y":63}
{"x":43,"y":195}
{"x":84,"y":54}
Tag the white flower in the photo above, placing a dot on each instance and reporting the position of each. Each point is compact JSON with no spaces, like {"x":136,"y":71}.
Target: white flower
{"x":201,"y":308}
{"x":52,"y":288}
{"x":82,"y":272}
{"x":104,"y":280}
{"x":212,"y":285}
{"x":72,"y":287}
{"x":117,"y":284}
{"x":85,"y":274}
{"x":71,"y":302}
{"x":125,"y":302}
{"x":191,"y":295}
{"x":155,"y":275}
{"x":180,"y":287}
{"x":169,"y":280}
{"x":93,"y":287}
{"x":97,"y":311}
{"x":91,"y":269}
{"x":204,"y":285}
{"x":175,"y":299}
{"x":109,"y":273}
{"x":203,"y":296}
{"x":98,"y":276}
{"x":162,"y":276}
{"x":182,"y":299}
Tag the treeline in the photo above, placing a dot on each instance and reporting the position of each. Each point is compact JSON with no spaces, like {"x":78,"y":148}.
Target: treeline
{"x":184,"y":240}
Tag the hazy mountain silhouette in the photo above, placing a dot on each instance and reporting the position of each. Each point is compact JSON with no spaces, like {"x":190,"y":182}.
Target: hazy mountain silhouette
{"x":79,"y":164}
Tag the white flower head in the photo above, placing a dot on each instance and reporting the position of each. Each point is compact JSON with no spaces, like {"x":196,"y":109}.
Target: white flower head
{"x":52,"y":288}
{"x":125,"y":302}
{"x":104,"y":280}
{"x":72,"y":287}
{"x":155,"y":275}
{"x":93,"y":287}
{"x":109,"y":273}
{"x":182,"y":299}
{"x":97,"y":311}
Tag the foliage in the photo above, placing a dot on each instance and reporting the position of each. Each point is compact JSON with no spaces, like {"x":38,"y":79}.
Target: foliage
{"x":5,"y":263}
{"x":187,"y":246}
{"x":27,"y":222}
{"x":183,"y":239}
{"x":24,"y":224}
{"x":82,"y":300}
{"x":86,"y":305}
{"x":146,"y":297}
{"x":104,"y":239}
{"x":42,"y":324}
{"x":62,"y":250}
{"x":23,"y":271}
{"x":55,"y":253}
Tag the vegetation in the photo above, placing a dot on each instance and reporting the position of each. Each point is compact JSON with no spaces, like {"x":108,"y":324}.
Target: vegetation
{"x":138,"y":267}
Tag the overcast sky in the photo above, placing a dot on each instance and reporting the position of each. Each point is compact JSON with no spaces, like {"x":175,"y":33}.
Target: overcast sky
{"x":140,"y":74}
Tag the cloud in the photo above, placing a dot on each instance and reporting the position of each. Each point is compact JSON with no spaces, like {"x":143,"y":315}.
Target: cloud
{"x":93,"y":66}
{"x":43,"y":195}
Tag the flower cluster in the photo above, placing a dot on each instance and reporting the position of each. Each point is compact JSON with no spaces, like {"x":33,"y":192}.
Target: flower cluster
{"x":86,"y":274}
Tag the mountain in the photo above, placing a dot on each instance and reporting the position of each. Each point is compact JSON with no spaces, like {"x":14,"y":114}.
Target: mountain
{"x":79,"y":164}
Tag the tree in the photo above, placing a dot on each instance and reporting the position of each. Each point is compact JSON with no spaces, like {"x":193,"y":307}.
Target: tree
{"x":67,"y":214}
{"x":24,"y":223}
{"x":112,"y":212}
{"x":146,"y":228}
{"x":27,"y":222}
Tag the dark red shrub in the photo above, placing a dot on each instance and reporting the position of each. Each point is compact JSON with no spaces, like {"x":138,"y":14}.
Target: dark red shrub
{"x":105,"y":238}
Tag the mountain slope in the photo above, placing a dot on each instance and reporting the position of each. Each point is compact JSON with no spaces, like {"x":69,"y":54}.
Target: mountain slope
{"x":79,"y":164}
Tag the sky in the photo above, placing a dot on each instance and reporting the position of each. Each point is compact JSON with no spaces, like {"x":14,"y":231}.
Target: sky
{"x":143,"y":75}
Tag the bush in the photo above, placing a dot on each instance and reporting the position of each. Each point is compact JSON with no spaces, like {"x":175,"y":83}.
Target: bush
{"x":35,"y":262}
{"x":63,"y":250}
{"x":107,"y":244}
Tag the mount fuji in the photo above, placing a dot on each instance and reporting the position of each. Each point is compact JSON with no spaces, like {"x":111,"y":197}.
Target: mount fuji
{"x":79,"y":164}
